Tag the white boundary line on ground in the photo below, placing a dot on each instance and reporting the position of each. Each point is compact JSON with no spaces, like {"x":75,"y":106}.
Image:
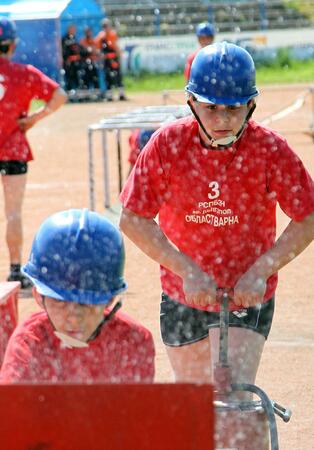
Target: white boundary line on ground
{"x":297,"y":104}
{"x":54,"y":185}
{"x":296,"y":343}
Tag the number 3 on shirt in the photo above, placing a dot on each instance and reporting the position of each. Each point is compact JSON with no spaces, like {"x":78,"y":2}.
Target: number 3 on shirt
{"x":2,"y":88}
{"x":214,"y":190}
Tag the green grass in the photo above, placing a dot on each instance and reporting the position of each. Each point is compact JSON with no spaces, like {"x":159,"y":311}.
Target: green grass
{"x":283,"y":71}
{"x":148,"y":82}
{"x":288,"y":72}
{"x":303,"y":6}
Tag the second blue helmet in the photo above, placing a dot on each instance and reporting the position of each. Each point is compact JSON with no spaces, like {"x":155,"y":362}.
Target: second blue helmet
{"x":205,"y":29}
{"x":77,"y":256}
{"x":7,"y":29}
{"x":222,"y":73}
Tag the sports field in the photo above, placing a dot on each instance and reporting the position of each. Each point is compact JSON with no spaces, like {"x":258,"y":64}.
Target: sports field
{"x":58,"y":179}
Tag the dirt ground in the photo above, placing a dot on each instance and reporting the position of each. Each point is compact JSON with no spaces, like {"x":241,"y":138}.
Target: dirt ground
{"x":58,"y":179}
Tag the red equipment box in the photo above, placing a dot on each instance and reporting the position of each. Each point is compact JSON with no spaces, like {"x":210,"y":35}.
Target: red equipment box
{"x":106,"y":417}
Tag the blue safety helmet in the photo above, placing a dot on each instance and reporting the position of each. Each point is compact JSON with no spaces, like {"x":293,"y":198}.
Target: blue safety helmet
{"x":223,"y":74}
{"x":143,"y":137}
{"x":7,"y":30}
{"x":205,"y":29}
{"x":77,"y":256}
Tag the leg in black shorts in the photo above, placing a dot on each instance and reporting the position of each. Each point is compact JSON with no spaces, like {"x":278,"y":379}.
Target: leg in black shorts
{"x":13,"y":167}
{"x":182,"y":325}
{"x":9,"y":169}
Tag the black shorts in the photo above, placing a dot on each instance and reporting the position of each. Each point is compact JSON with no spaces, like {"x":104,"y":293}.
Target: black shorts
{"x":13,"y":167}
{"x":181,"y":325}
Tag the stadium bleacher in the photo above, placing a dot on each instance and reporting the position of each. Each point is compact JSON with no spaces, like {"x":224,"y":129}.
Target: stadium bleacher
{"x":161,"y":17}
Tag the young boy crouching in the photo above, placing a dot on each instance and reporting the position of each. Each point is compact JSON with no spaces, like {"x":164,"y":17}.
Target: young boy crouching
{"x":76,"y":266}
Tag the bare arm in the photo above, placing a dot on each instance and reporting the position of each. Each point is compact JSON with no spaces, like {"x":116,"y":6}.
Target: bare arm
{"x":296,"y":237}
{"x":199,"y":287}
{"x":58,"y":98}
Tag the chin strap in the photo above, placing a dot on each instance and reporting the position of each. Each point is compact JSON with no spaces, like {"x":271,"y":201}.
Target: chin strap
{"x":227,"y":141}
{"x":70,"y":342}
{"x":105,"y":319}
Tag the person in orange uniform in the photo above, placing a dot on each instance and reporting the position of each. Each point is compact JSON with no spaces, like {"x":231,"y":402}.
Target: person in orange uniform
{"x":71,"y":53}
{"x":107,"y":42}
{"x":90,"y":58}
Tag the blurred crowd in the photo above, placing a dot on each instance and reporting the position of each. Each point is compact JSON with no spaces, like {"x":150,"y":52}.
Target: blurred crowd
{"x":93,"y":62}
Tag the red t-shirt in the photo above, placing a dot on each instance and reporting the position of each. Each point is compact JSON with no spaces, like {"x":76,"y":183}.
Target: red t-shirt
{"x":19,"y":85}
{"x":188,"y":64}
{"x":218,"y":206}
{"x":122,"y":352}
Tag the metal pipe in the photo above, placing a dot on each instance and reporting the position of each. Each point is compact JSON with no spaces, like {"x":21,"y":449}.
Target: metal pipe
{"x":118,"y":137}
{"x":224,"y":330}
{"x":147,"y":117}
{"x":105,"y":169}
{"x":91,"y":170}
{"x":268,"y":408}
{"x":312,"y":118}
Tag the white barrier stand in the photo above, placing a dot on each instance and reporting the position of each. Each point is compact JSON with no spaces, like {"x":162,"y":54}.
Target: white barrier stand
{"x":146,"y":118}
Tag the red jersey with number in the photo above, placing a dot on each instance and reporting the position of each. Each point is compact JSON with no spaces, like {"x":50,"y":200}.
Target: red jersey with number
{"x":19,"y":85}
{"x":122,"y":352}
{"x":218,"y":206}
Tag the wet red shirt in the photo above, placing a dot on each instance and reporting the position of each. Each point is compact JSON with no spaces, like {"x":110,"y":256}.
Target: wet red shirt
{"x":19,"y":85}
{"x":122,"y":352}
{"x":218,"y":206}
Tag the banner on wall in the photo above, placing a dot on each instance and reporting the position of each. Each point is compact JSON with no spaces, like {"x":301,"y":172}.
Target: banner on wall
{"x":158,"y":55}
{"x":168,"y":54}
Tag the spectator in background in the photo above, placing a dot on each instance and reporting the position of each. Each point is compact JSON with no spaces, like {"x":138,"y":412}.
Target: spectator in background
{"x":71,"y":53}
{"x":90,"y":58}
{"x":205,"y":33}
{"x":107,"y":42}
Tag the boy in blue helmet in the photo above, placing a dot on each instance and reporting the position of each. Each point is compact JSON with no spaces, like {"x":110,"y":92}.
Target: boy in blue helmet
{"x":76,"y":266}
{"x":214,"y":180}
{"x":205,"y":33}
